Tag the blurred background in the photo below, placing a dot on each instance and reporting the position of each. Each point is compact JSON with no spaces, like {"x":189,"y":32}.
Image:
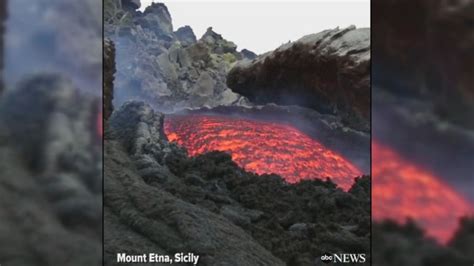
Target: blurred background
{"x":50,"y":132}
{"x":423,"y":132}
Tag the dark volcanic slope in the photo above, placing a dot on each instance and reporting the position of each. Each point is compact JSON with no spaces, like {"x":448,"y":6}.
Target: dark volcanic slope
{"x":327,"y":71}
{"x":158,"y":199}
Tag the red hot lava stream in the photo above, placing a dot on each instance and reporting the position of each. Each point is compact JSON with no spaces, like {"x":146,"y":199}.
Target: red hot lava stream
{"x":401,"y":189}
{"x":261,"y":147}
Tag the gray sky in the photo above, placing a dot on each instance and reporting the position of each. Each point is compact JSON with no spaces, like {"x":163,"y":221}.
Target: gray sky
{"x":264,"y":25}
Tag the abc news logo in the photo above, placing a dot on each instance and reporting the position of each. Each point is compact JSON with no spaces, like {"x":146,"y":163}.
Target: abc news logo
{"x":343,"y":258}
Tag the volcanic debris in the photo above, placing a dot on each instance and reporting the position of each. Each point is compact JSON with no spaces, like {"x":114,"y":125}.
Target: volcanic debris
{"x":157,"y":198}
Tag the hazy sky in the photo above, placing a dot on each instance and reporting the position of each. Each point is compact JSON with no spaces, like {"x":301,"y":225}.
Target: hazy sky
{"x":264,"y":25}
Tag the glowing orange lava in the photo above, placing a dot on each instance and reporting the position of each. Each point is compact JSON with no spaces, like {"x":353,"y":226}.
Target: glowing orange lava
{"x":261,"y":147}
{"x":401,"y":189}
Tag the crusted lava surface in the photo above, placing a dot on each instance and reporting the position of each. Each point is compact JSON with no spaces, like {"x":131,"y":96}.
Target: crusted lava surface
{"x":261,"y":147}
{"x":159,"y":198}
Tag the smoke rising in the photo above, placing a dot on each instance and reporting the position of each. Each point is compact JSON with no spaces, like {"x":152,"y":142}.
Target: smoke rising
{"x":57,"y":36}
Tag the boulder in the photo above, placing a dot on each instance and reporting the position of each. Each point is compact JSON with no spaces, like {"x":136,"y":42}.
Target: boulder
{"x":328,"y":71}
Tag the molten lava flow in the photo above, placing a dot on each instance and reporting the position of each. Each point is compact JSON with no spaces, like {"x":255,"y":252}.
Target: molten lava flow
{"x":401,"y":189}
{"x":261,"y":147}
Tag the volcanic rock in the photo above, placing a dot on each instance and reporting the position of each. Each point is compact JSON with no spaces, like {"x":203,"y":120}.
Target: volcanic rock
{"x":427,"y":53}
{"x":463,"y":239}
{"x":328,"y":71}
{"x":157,"y":18}
{"x":109,"y":72}
{"x":158,"y":220}
{"x":210,"y":206}
{"x":248,"y":54}
{"x":186,"y":36}
{"x":170,"y":70}
{"x":411,"y":247}
{"x":217,"y":43}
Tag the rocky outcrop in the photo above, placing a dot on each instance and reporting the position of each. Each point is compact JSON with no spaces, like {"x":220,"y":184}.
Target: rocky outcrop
{"x":50,"y":175}
{"x":186,"y":36}
{"x":248,"y":54}
{"x":171,"y":70}
{"x":109,"y":72}
{"x":427,"y":53}
{"x":158,"y":199}
{"x":156,"y":19}
{"x":328,"y":71}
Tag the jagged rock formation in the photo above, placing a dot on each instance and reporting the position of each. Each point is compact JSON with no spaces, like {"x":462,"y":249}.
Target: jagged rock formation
{"x":248,"y":54}
{"x":171,"y":70}
{"x":408,"y":245}
{"x":50,"y":175}
{"x":186,"y":36}
{"x":427,"y":53}
{"x":109,"y":72}
{"x":328,"y":71}
{"x":158,"y":199}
